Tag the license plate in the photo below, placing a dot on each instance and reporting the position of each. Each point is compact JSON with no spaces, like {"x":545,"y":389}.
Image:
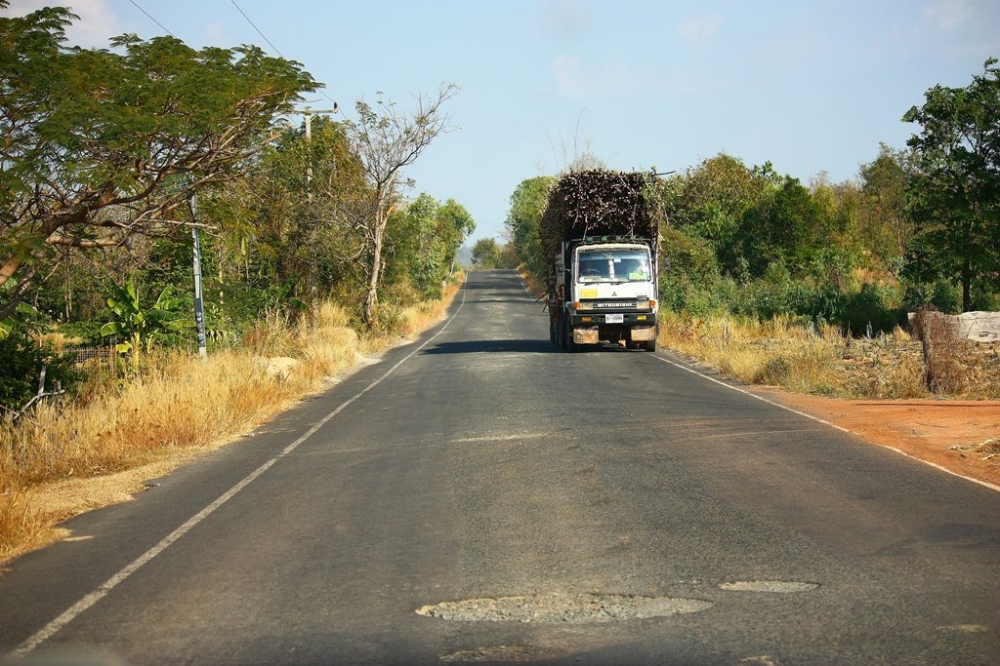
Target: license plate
{"x":614,"y":319}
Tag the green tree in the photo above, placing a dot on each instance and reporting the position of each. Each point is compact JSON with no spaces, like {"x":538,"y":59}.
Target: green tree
{"x":293,"y":216}
{"x":954,"y":190}
{"x":24,"y":364}
{"x":527,"y":203}
{"x":885,"y":225}
{"x":710,"y":200}
{"x":454,"y":225}
{"x":385,"y":141}
{"x":423,"y":240}
{"x":486,"y":253}
{"x":784,"y":227}
{"x":99,"y":146}
{"x":137,"y":324}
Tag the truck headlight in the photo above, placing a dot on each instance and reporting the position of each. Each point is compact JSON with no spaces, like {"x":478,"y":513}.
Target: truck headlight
{"x":581,"y":306}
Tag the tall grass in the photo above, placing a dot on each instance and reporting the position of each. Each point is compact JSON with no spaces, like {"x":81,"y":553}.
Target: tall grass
{"x":825,"y":360}
{"x":178,"y":404}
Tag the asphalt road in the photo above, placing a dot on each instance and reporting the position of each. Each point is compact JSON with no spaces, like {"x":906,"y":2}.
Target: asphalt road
{"x":480,"y":496}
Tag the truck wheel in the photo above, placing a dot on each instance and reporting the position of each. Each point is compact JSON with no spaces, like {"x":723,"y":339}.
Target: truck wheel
{"x":552,"y":331}
{"x":568,"y":343}
{"x":648,"y":345}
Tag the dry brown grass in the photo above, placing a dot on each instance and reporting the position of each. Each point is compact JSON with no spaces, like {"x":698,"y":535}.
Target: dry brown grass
{"x":534,"y":287}
{"x":823,"y":361}
{"x":64,"y":459}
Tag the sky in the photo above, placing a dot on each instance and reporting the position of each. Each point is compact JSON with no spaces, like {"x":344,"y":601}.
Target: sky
{"x":812,"y":86}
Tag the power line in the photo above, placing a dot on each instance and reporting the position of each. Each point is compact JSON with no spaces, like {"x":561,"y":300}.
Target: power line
{"x":263,"y":36}
{"x":150,"y":17}
{"x":240,"y":10}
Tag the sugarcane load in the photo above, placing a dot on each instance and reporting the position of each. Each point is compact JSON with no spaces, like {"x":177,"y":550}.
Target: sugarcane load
{"x":600,"y":238}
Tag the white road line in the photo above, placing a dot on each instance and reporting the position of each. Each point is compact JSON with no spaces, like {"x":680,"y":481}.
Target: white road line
{"x":105,"y":588}
{"x":985,"y":484}
{"x":752,"y":395}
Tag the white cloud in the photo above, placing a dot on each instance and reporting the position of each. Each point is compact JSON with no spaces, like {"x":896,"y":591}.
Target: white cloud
{"x":575,"y":80}
{"x":699,"y":30}
{"x":948,"y":14}
{"x":98,"y":21}
{"x":569,"y":17}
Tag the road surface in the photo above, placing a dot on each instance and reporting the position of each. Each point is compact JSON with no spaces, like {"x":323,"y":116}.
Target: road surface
{"x":479,"y":496}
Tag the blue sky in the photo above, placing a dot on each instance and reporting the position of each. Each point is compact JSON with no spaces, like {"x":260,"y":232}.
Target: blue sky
{"x":812,"y":86}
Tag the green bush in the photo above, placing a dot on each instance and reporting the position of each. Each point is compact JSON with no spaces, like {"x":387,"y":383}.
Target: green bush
{"x":21,"y":362}
{"x":877,"y":307}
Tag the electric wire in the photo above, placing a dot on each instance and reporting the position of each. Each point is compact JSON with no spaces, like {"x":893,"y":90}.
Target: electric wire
{"x":270,"y":43}
{"x":263,"y":36}
{"x":248,"y":20}
{"x":150,"y":17}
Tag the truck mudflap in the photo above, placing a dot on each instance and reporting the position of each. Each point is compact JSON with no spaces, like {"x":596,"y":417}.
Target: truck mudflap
{"x":587,"y":335}
{"x":643,"y":333}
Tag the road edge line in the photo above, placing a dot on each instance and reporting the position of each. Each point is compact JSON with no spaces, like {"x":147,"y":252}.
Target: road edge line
{"x":985,"y":484}
{"x":77,"y":609}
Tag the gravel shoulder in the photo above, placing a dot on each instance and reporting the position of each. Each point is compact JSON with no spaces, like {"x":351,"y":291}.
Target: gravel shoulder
{"x":963,"y":437}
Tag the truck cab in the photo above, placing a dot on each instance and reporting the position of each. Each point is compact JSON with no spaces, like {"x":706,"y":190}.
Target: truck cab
{"x":605,"y":290}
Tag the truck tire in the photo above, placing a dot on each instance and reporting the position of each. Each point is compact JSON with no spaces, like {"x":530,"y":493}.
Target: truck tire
{"x":649,"y":345}
{"x":568,"y":343}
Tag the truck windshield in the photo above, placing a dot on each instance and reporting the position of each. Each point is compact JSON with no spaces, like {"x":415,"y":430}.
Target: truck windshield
{"x":613,"y":266}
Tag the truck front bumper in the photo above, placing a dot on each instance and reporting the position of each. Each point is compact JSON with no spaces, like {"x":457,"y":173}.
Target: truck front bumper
{"x":589,"y":329}
{"x":627,"y":319}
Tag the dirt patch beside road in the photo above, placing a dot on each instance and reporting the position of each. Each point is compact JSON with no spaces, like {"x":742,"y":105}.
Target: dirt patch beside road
{"x":960,"y":436}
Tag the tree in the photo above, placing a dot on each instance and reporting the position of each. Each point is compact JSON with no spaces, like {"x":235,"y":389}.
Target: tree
{"x":784,"y":226}
{"x":885,"y":225}
{"x":385,"y":141}
{"x":710,"y":200}
{"x":137,"y":324}
{"x":486,"y":253}
{"x":954,"y":190}
{"x":99,"y":146}
{"x":423,"y":239}
{"x":277,"y":225}
{"x":527,"y":203}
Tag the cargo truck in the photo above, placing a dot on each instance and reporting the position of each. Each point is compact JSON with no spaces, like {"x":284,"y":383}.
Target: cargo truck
{"x":600,"y":238}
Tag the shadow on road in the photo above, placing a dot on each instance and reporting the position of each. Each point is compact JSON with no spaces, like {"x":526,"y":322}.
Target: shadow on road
{"x":517,"y":346}
{"x":493,"y":346}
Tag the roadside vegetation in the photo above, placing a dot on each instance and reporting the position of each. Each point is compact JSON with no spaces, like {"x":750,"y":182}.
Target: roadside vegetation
{"x":222,"y":254}
{"x":212,"y":256}
{"x":809,"y":286}
{"x":64,"y":457}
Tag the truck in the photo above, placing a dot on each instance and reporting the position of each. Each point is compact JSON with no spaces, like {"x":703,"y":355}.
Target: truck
{"x":600,"y":243}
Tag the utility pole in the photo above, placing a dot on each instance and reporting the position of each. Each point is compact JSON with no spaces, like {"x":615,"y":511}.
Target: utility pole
{"x":307,"y":112}
{"x":199,"y":303}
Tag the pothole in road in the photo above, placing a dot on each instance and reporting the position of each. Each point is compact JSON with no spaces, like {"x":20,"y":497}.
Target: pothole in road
{"x":773,"y":586}
{"x":562,"y":608}
{"x":507,"y":654}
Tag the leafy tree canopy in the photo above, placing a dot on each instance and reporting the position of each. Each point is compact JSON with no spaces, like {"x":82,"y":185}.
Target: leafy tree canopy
{"x":527,"y":204}
{"x":954,"y":190}
{"x":101,"y":145}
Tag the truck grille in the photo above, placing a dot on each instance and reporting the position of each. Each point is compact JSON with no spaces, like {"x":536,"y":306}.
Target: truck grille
{"x":615,"y":305}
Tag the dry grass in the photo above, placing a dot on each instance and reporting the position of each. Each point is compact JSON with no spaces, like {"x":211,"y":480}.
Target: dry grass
{"x":64,"y":459}
{"x":534,"y":287}
{"x":823,"y":361}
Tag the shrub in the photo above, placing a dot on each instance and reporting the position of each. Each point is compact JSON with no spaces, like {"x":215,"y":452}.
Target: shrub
{"x":21,"y":363}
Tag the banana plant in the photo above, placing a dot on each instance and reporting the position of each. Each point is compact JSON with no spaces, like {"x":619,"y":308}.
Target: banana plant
{"x":136,"y":325}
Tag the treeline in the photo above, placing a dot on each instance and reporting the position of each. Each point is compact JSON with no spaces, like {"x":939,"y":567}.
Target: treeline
{"x":115,"y":163}
{"x":917,"y":226}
